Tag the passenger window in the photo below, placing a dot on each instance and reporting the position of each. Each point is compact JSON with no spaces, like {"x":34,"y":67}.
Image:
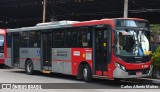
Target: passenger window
{"x":58,"y":39}
{"x":35,"y":39}
{"x":84,"y":37}
{"x":24,"y":39}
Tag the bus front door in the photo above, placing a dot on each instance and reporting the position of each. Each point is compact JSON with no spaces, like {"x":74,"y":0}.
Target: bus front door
{"x":46,"y":51}
{"x":101,"y":51}
{"x":15,"y":49}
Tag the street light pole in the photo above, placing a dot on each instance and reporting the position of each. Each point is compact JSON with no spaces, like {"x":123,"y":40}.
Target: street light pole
{"x":44,"y":11}
{"x":125,"y":9}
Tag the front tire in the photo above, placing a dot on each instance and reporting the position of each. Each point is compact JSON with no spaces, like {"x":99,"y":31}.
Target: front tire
{"x":117,"y":80}
{"x":29,"y":67}
{"x":87,"y":74}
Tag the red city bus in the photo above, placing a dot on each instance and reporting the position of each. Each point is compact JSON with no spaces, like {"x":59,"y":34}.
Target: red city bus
{"x":108,"y":48}
{"x":2,"y":46}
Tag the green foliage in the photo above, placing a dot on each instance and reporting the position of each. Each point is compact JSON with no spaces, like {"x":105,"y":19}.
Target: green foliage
{"x":155,"y":28}
{"x":156,"y":58}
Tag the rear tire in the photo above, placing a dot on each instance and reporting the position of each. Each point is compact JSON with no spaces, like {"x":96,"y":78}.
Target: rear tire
{"x":29,"y":67}
{"x":80,"y":72}
{"x":2,"y":65}
{"x":87,"y":74}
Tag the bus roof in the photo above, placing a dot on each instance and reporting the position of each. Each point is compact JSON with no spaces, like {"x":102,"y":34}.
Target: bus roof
{"x":65,"y":24}
{"x":43,"y":26}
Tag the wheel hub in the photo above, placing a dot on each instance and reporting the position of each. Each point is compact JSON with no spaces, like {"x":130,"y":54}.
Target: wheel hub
{"x":29,"y":67}
{"x":85,"y":73}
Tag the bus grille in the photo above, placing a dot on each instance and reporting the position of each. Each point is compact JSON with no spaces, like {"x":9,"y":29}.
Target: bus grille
{"x":136,"y":60}
{"x":133,"y":72}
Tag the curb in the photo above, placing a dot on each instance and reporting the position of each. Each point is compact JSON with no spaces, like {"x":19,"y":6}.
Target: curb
{"x":155,"y":81}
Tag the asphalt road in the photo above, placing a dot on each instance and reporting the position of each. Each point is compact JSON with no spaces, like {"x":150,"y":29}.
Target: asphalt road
{"x":61,"y":83}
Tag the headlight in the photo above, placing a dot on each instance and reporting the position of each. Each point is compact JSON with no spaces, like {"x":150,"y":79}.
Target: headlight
{"x":120,"y":66}
{"x":123,"y":68}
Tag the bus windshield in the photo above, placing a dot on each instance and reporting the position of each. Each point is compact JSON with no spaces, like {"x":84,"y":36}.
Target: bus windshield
{"x":1,"y":43}
{"x":132,"y":43}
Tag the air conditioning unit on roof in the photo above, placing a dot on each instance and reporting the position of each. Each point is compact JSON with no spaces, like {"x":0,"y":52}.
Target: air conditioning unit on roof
{"x":64,"y":22}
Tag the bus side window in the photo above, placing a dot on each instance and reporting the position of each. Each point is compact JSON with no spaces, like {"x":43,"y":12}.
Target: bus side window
{"x":9,"y":40}
{"x":58,"y":39}
{"x":68,"y":39}
{"x":84,"y":37}
{"x":71,"y":38}
{"x":84,"y":40}
{"x":35,"y":39}
{"x":24,"y":39}
{"x":74,"y":38}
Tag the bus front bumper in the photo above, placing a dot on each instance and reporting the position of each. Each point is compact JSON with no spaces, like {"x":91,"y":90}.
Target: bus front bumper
{"x":119,"y":73}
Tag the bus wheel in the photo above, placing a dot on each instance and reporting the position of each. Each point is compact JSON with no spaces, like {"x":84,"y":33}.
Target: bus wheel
{"x":29,"y":67}
{"x":2,"y":66}
{"x":87,"y":74}
{"x":117,"y":80}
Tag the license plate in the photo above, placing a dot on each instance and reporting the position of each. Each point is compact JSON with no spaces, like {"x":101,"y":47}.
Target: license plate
{"x":138,"y":73}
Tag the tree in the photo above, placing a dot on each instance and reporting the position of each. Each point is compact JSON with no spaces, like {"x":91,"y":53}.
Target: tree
{"x":156,"y":63}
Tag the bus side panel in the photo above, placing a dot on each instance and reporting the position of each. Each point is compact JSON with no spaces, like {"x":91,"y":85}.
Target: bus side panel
{"x":79,"y":55}
{"x":3,"y":54}
{"x":8,"y":60}
{"x":5,"y":46}
{"x":61,"y":60}
{"x":111,"y":65}
{"x":1,"y":58}
{"x":30,"y":53}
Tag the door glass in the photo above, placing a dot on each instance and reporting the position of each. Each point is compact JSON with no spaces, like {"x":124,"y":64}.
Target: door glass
{"x":16,"y":44}
{"x":101,"y":49}
{"x":47,"y":46}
